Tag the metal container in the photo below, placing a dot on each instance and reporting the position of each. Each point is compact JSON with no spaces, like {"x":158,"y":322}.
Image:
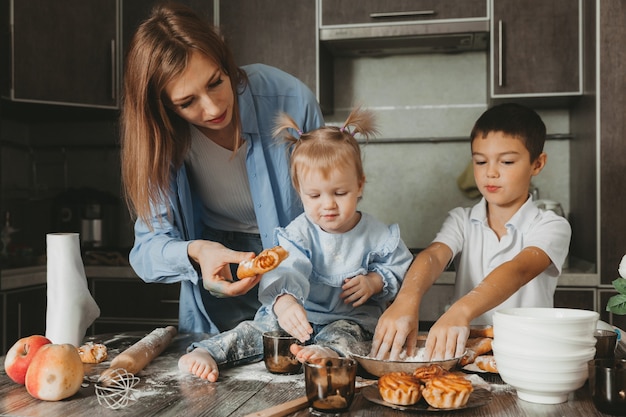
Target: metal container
{"x":378,"y":367}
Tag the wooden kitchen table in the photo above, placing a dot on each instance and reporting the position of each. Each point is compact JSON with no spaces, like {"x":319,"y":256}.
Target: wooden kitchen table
{"x":165,"y":391}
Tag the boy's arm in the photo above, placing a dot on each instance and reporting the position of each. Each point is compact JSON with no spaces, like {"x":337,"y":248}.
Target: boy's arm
{"x":448,"y":335}
{"x":398,"y":325}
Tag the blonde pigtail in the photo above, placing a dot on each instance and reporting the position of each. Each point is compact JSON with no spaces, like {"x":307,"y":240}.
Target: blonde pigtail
{"x":283,"y":123}
{"x":361,"y":121}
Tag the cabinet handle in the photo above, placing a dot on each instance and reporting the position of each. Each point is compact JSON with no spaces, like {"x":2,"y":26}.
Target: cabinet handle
{"x":500,"y":52}
{"x":169,"y":301}
{"x":113,"y":77}
{"x":378,"y":15}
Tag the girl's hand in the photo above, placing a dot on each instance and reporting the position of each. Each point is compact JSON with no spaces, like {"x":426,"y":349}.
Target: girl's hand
{"x":214,"y":260}
{"x":359,"y":289}
{"x":292,"y":317}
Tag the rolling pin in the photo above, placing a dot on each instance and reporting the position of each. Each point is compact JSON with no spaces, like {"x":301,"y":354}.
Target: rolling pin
{"x":136,"y":357}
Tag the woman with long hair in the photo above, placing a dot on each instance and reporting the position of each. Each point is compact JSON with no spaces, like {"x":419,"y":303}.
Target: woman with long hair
{"x":201,"y":173}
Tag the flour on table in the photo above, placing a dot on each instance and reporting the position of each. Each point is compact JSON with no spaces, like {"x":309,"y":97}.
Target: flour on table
{"x":258,"y":372}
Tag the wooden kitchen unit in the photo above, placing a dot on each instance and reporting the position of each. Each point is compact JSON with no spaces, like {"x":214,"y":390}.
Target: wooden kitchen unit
{"x":126,"y":302}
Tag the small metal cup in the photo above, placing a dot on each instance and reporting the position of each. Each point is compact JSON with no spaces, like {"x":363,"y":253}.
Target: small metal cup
{"x":607,"y":384}
{"x":330,"y":383}
{"x":605,"y":345}
{"x":276,"y":354}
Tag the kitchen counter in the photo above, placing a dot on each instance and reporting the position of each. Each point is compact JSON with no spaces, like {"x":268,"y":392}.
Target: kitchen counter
{"x":35,"y":275}
{"x":578,"y":276}
{"x":165,"y":391}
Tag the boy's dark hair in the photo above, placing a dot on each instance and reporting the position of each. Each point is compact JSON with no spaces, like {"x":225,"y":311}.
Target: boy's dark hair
{"x":514,"y":120}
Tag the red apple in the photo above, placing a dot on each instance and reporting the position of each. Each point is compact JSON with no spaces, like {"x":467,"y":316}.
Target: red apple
{"x":20,"y":356}
{"x":55,"y":373}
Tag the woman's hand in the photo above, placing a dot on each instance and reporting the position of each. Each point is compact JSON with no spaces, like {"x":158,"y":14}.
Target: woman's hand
{"x":357,"y":290}
{"x":292,"y":317}
{"x":214,"y":260}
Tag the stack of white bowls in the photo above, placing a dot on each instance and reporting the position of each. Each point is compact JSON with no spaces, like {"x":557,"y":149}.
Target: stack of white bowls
{"x":543,"y":352}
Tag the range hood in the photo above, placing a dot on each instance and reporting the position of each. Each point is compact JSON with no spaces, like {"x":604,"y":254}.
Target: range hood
{"x":382,"y":40}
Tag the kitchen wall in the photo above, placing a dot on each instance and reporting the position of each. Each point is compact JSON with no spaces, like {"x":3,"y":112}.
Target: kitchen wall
{"x":423,"y":101}
{"x":39,"y":161}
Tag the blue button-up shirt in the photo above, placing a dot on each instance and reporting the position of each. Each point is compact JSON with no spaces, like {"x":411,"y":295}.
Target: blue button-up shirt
{"x":161,"y":255}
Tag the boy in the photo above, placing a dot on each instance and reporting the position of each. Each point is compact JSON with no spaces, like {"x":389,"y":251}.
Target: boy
{"x":507,"y":252}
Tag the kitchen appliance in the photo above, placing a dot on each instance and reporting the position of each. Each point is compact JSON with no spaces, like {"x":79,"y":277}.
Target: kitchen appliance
{"x":92,"y":213}
{"x":380,"y":33}
{"x":408,"y":39}
{"x":91,"y":225}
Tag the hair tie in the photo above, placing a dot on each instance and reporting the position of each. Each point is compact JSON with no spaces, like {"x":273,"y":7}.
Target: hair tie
{"x":344,"y":129}
{"x":299,"y":132}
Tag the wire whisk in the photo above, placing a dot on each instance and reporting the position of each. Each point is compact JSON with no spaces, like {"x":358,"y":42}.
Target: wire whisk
{"x":116,"y":389}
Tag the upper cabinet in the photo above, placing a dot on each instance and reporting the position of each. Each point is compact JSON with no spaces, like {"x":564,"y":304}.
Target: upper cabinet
{"x":70,"y":52}
{"x":342,"y":12}
{"x":65,"y":52}
{"x":536,"y":48}
{"x":280,"y":33}
{"x":371,"y":28}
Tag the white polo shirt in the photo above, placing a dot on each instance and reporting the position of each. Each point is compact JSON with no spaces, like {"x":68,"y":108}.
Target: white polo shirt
{"x":477,"y":251}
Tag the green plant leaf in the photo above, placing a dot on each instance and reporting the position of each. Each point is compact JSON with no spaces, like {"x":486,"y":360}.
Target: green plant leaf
{"x":617,"y":304}
{"x":620,"y":285}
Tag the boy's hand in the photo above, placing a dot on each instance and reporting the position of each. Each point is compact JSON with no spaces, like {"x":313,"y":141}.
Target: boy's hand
{"x":447,"y":338}
{"x":292,"y":317}
{"x":359,"y":289}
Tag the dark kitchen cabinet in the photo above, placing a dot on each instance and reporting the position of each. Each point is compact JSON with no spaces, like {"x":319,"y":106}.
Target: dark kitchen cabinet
{"x":280,"y":33}
{"x":24,"y":314}
{"x":347,"y":12}
{"x":70,"y":52}
{"x":597,"y":155}
{"x":612,"y":131}
{"x":573,"y":297}
{"x":536,"y":48}
{"x":128,"y":304}
{"x":65,"y":52}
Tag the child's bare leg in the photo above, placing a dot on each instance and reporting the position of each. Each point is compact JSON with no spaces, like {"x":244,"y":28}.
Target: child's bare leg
{"x":304,"y":353}
{"x":200,"y":363}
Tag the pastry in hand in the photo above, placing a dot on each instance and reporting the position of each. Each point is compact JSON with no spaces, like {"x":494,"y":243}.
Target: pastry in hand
{"x":264,"y":262}
{"x":400,"y":388}
{"x":92,"y":352}
{"x":447,"y":391}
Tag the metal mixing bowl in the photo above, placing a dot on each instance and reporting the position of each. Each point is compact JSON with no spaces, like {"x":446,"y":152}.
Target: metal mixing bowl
{"x":379,"y":367}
